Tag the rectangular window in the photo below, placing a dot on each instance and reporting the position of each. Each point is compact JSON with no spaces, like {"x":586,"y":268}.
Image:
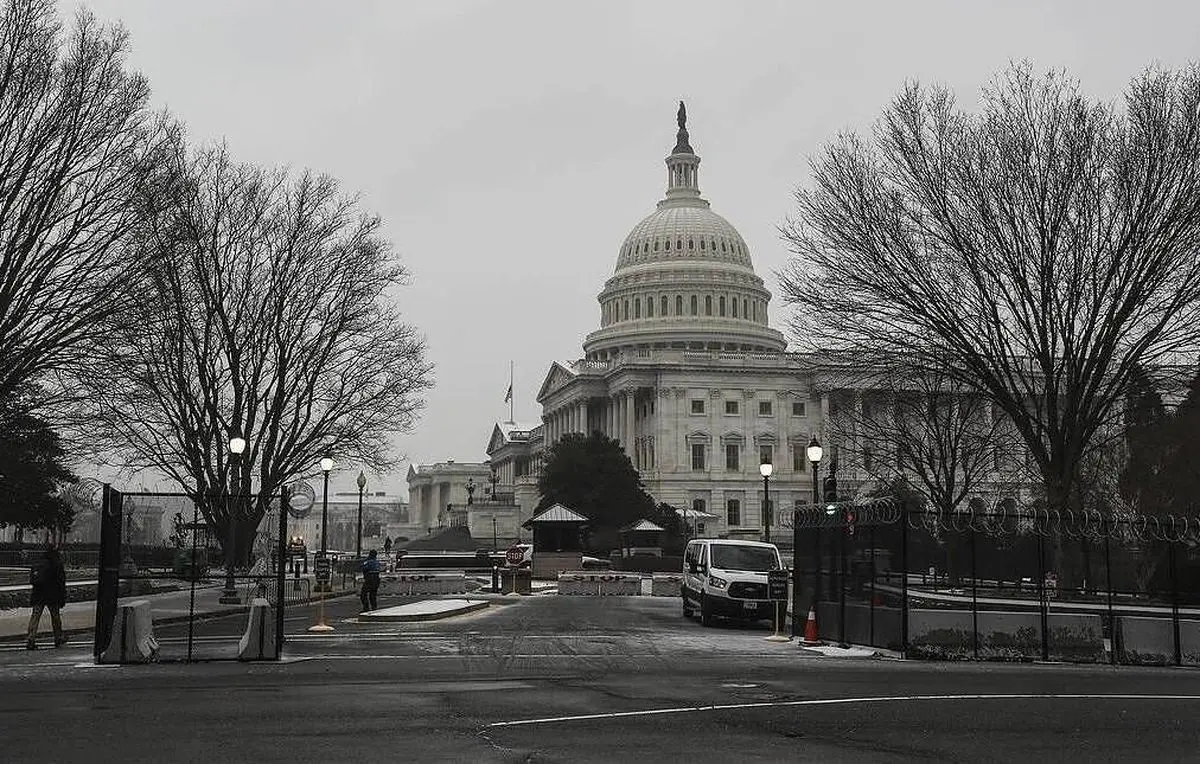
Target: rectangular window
{"x":733,"y":512}
{"x":697,"y":456}
{"x":765,"y":408}
{"x":765,"y":453}
{"x":697,"y":505}
{"x":697,"y":405}
{"x":799,"y":459}
{"x":731,"y":407}
{"x":731,"y":457}
{"x":799,"y":409}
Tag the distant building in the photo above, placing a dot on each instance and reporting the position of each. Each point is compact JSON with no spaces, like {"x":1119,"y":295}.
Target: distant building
{"x":434,"y":488}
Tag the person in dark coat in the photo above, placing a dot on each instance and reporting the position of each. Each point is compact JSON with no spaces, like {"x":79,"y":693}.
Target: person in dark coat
{"x":370,"y":586}
{"x":48,"y":589}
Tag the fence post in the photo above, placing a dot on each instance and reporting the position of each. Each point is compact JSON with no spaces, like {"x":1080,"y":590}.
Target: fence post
{"x":797,"y":619}
{"x":816,"y":598}
{"x":872,"y":611}
{"x":1112,"y":623}
{"x":841,"y":579}
{"x":194,"y":574}
{"x":904,"y":583}
{"x":281,"y":573}
{"x":1174,"y":602}
{"x":1042,"y":596}
{"x":974,"y":597}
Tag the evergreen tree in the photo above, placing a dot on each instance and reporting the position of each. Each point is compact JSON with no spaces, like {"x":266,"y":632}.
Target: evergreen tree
{"x":32,"y":472}
{"x":593,"y":476}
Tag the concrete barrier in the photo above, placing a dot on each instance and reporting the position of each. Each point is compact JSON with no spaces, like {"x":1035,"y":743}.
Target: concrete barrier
{"x":666,"y":584}
{"x":599,"y":583}
{"x":132,"y":635}
{"x":258,"y":643}
{"x":424,"y":583}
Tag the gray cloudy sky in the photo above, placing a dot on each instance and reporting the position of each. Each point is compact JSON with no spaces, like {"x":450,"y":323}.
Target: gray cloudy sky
{"x":510,"y":146}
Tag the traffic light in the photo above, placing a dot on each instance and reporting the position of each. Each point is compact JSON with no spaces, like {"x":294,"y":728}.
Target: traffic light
{"x":830,"y":485}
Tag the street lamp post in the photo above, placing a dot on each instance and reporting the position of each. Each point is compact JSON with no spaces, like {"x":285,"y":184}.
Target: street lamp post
{"x":326,"y":465}
{"x":323,"y":586}
{"x":493,"y":533}
{"x":765,"y":469}
{"x":362,"y":483}
{"x":229,"y":596}
{"x":493,"y":480}
{"x":814,"y":452}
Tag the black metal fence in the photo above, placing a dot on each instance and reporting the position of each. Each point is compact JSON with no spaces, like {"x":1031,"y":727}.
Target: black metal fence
{"x":1005,"y":585}
{"x":199,"y":608}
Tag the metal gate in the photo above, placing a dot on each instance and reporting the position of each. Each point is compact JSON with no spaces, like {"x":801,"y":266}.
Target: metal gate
{"x":199,"y":591}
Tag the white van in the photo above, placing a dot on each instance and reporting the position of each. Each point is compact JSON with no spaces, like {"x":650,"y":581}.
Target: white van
{"x":722,"y":577}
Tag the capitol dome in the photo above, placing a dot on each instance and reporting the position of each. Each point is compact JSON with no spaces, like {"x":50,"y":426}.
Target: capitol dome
{"x":684,"y":278}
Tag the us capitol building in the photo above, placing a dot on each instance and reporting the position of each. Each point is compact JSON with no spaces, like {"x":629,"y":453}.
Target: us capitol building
{"x":684,"y":371}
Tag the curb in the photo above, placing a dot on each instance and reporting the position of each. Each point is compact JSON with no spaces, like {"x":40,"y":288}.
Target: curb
{"x":414,"y":617}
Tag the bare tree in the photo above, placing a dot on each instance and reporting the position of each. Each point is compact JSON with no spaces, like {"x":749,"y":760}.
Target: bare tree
{"x":923,"y":429}
{"x":76,"y":143}
{"x":264,"y":307}
{"x":1039,"y":249}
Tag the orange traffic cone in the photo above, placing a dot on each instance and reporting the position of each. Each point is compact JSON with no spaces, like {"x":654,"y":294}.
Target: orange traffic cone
{"x":810,"y":628}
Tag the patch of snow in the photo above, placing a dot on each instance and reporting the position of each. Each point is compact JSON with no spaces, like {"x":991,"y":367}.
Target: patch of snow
{"x":425,"y":607}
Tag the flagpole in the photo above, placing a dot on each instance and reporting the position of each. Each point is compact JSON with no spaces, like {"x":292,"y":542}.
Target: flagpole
{"x":510,"y":397}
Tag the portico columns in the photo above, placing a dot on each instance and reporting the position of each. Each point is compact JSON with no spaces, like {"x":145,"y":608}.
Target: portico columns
{"x":630,"y":423}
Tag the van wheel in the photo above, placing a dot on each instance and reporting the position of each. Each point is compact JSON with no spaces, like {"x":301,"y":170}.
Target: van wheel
{"x":706,"y":616}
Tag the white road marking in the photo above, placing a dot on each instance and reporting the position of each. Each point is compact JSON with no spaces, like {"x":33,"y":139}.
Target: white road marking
{"x":830,"y":702}
{"x":523,"y":656}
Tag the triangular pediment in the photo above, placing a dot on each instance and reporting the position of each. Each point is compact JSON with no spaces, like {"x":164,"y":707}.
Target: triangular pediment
{"x":557,"y":377}
{"x":496,"y":441}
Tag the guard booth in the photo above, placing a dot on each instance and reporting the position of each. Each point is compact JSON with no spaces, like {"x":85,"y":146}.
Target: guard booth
{"x":557,"y":540}
{"x":642,"y":539}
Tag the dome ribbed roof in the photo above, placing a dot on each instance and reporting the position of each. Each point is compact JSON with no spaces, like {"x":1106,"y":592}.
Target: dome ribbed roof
{"x":680,"y":234}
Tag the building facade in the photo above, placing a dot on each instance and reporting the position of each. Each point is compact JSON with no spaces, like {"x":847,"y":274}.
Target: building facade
{"x":434,"y":489}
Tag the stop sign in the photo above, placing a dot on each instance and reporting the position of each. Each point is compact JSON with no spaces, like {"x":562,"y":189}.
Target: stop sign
{"x":514,"y":556}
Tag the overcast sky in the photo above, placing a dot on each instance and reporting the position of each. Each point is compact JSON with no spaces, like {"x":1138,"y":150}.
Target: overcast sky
{"x":511,"y":146}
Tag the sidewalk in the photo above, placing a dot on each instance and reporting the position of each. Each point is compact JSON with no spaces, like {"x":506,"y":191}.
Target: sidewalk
{"x":167,"y":607}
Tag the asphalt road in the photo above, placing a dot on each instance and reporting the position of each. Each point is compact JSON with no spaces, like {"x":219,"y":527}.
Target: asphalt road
{"x":553,"y":678}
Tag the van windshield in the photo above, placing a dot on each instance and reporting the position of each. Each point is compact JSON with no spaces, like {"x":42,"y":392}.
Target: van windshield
{"x":750,"y":558}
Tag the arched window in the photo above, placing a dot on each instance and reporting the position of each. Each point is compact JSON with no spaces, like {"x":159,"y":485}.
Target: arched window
{"x":695,"y":303}
{"x":679,"y":244}
{"x":663,"y":306}
{"x":656,"y":245}
{"x":755,"y":304}
{"x":649,"y":307}
{"x":667,"y":245}
{"x":721,"y":305}
{"x":708,"y":304}
{"x":679,"y":305}
{"x":722,"y":245}
{"x":637,"y":307}
{"x":691,"y":244}
{"x":626,"y":310}
{"x":733,"y":304}
{"x":745,"y":309}
{"x":702,"y":244}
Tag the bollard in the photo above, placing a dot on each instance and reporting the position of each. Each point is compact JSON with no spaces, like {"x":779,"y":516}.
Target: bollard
{"x":495,"y":579}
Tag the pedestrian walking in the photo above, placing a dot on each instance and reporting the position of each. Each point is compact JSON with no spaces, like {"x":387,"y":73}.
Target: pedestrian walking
{"x":370,"y":585}
{"x":48,"y":589}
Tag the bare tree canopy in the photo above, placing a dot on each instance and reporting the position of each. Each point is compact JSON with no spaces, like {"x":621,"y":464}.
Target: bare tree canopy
{"x":76,"y":143}
{"x":1039,"y":249}
{"x":264,"y":307}
{"x":927,"y":432}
